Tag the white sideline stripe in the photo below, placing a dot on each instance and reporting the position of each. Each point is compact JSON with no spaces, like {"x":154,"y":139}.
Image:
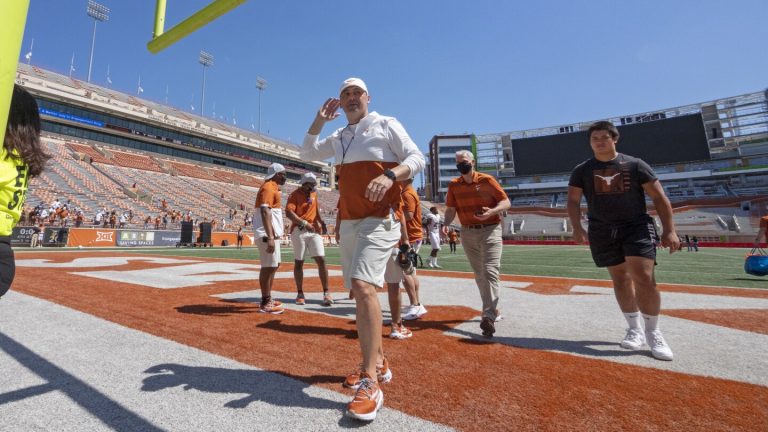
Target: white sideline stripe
{"x":101,"y":381}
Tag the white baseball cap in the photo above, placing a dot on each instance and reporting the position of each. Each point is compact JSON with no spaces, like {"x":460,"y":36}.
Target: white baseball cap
{"x":308,"y":178}
{"x":349,"y":82}
{"x":274,"y":169}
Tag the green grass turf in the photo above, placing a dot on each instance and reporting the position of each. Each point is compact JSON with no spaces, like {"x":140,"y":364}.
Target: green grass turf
{"x":722,"y":267}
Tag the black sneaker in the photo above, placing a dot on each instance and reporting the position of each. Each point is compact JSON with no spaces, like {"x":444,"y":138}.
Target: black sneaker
{"x":488,"y":327}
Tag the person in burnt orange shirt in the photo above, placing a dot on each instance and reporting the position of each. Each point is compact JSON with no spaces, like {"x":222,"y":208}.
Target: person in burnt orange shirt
{"x":303,"y":210}
{"x":268,"y":228}
{"x":453,"y":237}
{"x":479,"y":201}
{"x":412,"y":215}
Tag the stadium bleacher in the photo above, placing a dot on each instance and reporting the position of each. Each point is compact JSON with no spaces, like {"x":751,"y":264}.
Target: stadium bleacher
{"x":92,"y":178}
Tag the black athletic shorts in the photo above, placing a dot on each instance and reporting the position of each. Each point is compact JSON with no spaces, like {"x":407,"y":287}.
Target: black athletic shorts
{"x":7,"y":265}
{"x":610,"y":244}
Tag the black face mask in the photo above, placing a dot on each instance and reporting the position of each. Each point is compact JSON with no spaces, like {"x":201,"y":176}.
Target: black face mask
{"x":464,"y":167}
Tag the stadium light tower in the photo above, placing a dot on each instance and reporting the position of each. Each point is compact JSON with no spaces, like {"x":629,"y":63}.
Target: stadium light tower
{"x":98,"y":12}
{"x":206,"y":59}
{"x":261,"y":84}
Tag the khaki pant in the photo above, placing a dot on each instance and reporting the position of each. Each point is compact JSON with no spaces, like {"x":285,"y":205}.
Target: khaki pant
{"x":483,"y":249}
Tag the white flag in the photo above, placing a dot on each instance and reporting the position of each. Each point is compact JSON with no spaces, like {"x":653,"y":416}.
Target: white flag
{"x":28,"y":56}
{"x":141,"y":90}
{"x":109,"y":80}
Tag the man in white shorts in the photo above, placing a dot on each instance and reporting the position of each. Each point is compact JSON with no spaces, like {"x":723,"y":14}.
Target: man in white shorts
{"x":433,"y":229}
{"x":268,"y":228}
{"x":303,"y":210}
{"x":372,"y":152}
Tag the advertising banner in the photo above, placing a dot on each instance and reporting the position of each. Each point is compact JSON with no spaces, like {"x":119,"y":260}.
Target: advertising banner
{"x":90,"y":237}
{"x":55,"y":237}
{"x":167,"y":238}
{"x":22,"y":236}
{"x":147,"y":238}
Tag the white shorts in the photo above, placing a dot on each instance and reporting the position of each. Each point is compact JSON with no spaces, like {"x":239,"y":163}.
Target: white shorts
{"x":394,"y":273}
{"x":268,"y":259}
{"x":366,"y":246}
{"x":434,"y":240}
{"x":417,"y":245}
{"x":308,"y":243}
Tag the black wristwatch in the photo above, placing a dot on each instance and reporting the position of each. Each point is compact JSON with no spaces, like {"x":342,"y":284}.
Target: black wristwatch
{"x":265,"y":239}
{"x":390,"y":175}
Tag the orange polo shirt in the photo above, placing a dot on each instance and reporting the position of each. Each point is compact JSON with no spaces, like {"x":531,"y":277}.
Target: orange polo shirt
{"x":305,"y":206}
{"x":469,"y":198}
{"x":412,"y":204}
{"x":354,"y":179}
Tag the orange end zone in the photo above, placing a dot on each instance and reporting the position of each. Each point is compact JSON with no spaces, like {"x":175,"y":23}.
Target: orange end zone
{"x":468,"y":384}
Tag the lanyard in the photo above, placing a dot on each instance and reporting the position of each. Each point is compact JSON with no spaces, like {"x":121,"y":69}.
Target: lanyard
{"x":344,"y":148}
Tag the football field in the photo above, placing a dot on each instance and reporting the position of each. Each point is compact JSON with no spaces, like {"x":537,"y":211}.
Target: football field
{"x":171,"y":340}
{"x":721,"y":267}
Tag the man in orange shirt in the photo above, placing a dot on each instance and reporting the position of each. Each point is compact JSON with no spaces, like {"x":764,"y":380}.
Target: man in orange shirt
{"x":412,"y":215}
{"x":268,"y":228}
{"x":398,"y":268}
{"x":303,"y":210}
{"x":762,"y":235}
{"x":453,"y":236}
{"x":479,"y":201}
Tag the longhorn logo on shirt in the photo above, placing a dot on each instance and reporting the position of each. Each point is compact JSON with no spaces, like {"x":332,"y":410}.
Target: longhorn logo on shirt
{"x":608,"y":180}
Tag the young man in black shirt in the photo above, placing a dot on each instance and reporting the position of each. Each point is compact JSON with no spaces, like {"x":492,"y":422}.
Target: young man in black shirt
{"x":621,"y":231}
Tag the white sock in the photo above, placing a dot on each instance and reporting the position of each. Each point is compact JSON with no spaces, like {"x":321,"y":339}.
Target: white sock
{"x":651,"y":322}
{"x":634,"y":320}
{"x":432,"y":260}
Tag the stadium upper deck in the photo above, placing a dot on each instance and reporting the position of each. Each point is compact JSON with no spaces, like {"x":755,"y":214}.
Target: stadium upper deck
{"x":84,"y":111}
{"x":717,"y":148}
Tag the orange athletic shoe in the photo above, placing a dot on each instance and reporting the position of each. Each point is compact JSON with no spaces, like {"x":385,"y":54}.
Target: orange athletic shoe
{"x":271,"y":308}
{"x":383,"y":376}
{"x":399,"y":331}
{"x":300,"y":299}
{"x":368,"y":399}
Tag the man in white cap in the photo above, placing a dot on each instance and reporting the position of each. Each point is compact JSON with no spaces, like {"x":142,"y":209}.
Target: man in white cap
{"x":373,"y":153}
{"x":268,"y":227}
{"x":303,"y":210}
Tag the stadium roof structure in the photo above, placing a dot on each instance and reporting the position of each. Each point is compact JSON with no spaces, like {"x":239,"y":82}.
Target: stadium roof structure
{"x":71,"y":90}
{"x":735,"y":126}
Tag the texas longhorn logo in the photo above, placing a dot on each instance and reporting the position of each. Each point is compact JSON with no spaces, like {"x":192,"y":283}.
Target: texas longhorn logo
{"x":608,"y":181}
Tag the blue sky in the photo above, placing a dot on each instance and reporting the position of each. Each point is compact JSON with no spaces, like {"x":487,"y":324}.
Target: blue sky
{"x":439,"y":66}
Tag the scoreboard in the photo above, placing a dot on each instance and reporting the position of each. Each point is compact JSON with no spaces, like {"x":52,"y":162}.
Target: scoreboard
{"x":672,"y":140}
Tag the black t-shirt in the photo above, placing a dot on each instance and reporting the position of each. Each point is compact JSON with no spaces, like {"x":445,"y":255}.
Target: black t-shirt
{"x":613,"y":189}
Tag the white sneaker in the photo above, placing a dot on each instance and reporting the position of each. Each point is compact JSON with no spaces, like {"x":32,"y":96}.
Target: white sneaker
{"x":430,"y":265}
{"x":400,"y":332}
{"x":634,"y":339}
{"x":409,"y":312}
{"x":659,"y":347}
{"x":415,"y":312}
